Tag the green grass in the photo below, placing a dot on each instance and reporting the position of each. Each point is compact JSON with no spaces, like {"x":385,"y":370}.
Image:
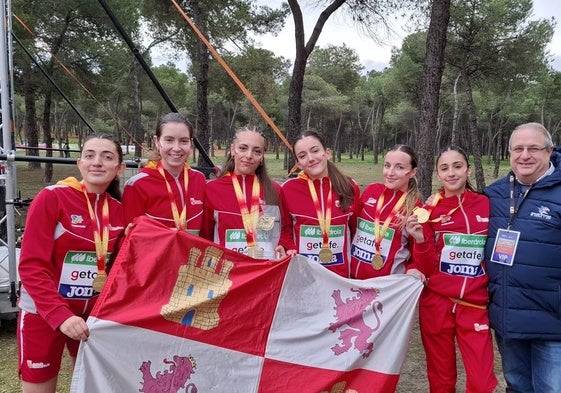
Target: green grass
{"x":364,"y":172}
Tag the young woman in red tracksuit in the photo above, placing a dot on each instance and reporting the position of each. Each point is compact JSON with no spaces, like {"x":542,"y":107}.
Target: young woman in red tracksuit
{"x":322,"y":204}
{"x":70,"y":231}
{"x":242,"y":208}
{"x":380,"y":246}
{"x":448,"y":254}
{"x":167,"y":189}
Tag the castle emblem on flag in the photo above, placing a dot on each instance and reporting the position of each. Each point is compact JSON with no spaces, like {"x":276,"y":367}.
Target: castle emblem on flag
{"x":346,"y":314}
{"x":201,"y":285}
{"x":169,"y":381}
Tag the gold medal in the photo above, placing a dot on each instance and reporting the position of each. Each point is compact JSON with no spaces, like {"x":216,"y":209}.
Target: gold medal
{"x":422,"y":214}
{"x":99,"y":281}
{"x":377,"y":262}
{"x":255,"y":252}
{"x":325,"y":255}
{"x":266,"y":223}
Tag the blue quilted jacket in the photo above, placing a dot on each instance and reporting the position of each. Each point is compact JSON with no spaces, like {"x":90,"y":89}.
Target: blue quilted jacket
{"x":525,"y":298}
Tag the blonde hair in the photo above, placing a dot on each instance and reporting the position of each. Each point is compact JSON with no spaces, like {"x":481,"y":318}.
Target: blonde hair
{"x":414,"y":195}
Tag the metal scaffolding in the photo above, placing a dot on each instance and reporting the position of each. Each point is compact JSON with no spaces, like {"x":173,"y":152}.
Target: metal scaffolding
{"x":8,"y":294}
{"x":9,"y":283}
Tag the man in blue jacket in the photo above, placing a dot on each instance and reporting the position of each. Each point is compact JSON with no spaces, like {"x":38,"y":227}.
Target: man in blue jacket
{"x":524,"y":261}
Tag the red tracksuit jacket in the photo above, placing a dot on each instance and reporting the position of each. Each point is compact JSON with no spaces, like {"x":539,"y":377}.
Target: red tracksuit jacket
{"x":57,"y":261}
{"x":394,"y":247}
{"x":452,"y":256}
{"x":304,"y":234}
{"x":146,"y":194}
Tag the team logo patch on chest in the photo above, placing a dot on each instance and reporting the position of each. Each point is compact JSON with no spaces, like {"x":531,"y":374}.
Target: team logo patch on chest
{"x":542,"y":213}
{"x":76,"y":219}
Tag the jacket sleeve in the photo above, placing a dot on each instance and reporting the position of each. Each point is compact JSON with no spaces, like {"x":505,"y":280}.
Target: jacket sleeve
{"x":38,"y":272}
{"x":423,"y":255}
{"x":207,"y":225}
{"x":287,"y":238}
{"x":357,"y":208}
{"x":133,"y":203}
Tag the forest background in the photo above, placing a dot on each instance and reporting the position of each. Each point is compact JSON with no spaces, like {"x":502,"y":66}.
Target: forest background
{"x":468,"y":74}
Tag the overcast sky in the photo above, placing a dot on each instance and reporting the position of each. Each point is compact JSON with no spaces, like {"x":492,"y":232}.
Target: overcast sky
{"x":338,"y":31}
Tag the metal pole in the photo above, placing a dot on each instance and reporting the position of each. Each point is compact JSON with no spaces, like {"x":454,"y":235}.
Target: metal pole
{"x":6,"y":103}
{"x":149,"y":72}
{"x":136,"y":163}
{"x":53,"y":83}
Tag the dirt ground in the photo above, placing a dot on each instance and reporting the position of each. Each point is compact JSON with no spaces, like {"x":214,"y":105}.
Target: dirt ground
{"x":414,"y":378}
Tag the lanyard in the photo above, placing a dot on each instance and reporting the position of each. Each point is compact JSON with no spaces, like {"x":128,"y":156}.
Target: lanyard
{"x":250,"y":215}
{"x":513,"y":210}
{"x":101,"y":241}
{"x":379,"y":233}
{"x":323,"y":211}
{"x":179,"y":219}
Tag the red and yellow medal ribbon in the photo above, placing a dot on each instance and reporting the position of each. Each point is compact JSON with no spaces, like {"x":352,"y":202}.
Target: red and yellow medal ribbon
{"x":379,"y":233}
{"x":435,"y":201}
{"x":433,"y":204}
{"x":101,"y":240}
{"x":323,"y":212}
{"x":250,"y":215}
{"x":180,"y":219}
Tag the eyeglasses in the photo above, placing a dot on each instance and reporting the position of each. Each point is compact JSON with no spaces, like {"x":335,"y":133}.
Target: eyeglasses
{"x":531,"y":150}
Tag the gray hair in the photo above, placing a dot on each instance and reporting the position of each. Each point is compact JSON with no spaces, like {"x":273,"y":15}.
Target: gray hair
{"x":536,"y":127}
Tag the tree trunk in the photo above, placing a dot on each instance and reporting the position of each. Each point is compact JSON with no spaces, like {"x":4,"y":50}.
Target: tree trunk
{"x":199,"y":18}
{"x":376,"y":127}
{"x":474,"y":134}
{"x":456,"y":115}
{"x":303,"y":50}
{"x":54,"y":50}
{"x":432,"y":76}
{"x":498,"y":148}
{"x":31,"y":130}
{"x":136,"y":111}
{"x":46,"y":125}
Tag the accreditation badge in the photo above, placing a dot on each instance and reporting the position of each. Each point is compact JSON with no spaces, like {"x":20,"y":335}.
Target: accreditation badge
{"x":504,"y":248}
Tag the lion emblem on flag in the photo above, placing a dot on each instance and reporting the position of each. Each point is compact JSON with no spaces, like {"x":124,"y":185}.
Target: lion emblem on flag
{"x":169,"y":381}
{"x":350,"y":313}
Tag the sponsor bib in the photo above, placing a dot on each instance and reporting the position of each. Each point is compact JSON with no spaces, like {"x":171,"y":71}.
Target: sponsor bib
{"x":236,"y":240}
{"x":462,"y":255}
{"x":363,"y":247}
{"x":79,"y":269}
{"x":311,"y":242}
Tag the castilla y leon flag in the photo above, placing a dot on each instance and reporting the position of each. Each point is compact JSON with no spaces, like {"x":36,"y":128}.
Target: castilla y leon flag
{"x":180,"y":314}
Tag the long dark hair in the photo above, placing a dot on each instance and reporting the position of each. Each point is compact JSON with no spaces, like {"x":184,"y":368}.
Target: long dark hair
{"x":457,"y":149}
{"x":269,"y":191}
{"x":413,"y":193}
{"x":341,"y":183}
{"x":114,"y":188}
{"x":171,"y":117}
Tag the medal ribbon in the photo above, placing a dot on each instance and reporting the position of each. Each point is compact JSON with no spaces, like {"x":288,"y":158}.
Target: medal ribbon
{"x":250,"y":215}
{"x":379,"y":233}
{"x":323,"y":212}
{"x":435,"y":201}
{"x":180,"y":219}
{"x":101,"y":241}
